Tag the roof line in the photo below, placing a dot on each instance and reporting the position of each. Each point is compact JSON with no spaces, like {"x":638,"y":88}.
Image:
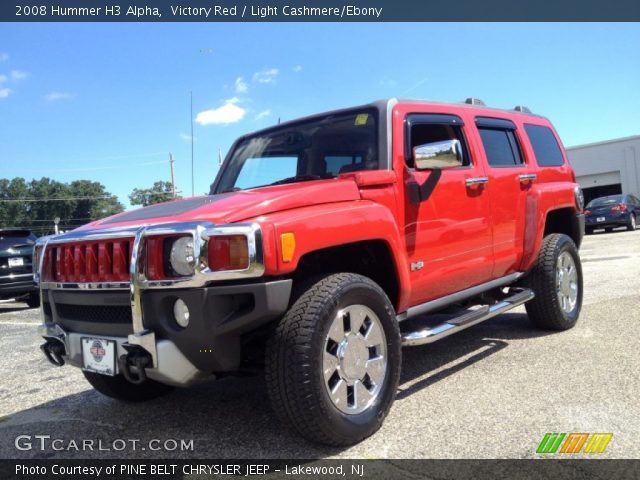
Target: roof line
{"x":604,"y":142}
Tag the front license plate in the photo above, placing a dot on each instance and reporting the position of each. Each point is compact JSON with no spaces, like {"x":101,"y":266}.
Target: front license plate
{"x":99,"y":355}
{"x":600,"y":219}
{"x":16,"y":262}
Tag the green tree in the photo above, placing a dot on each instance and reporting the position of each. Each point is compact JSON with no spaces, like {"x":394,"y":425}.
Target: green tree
{"x":160,"y":192}
{"x":93,"y":201}
{"x":34,"y":205}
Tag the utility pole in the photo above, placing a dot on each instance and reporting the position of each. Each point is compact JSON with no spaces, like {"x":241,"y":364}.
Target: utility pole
{"x":173,"y":177}
{"x":192,"y":189}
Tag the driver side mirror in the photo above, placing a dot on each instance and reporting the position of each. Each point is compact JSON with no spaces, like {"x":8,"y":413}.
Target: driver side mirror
{"x":443,"y":154}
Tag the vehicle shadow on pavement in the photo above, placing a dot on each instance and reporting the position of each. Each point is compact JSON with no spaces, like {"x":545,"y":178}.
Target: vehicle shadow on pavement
{"x":13,"y":307}
{"x":425,"y":365}
{"x":228,"y":418}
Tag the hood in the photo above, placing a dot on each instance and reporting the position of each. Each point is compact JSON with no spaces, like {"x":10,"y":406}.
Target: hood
{"x":236,"y":206}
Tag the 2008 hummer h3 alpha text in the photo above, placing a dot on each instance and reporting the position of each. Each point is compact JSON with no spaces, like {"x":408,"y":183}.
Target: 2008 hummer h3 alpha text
{"x":320,"y":239}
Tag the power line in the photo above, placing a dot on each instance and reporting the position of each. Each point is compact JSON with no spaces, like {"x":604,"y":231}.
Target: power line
{"x":55,"y":199}
{"x":92,"y":169}
{"x":191,"y":102}
{"x":36,"y":200}
{"x":63,"y":220}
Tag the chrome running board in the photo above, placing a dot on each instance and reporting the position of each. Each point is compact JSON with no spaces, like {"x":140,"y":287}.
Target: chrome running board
{"x":457,"y":324}
{"x":441,"y":302}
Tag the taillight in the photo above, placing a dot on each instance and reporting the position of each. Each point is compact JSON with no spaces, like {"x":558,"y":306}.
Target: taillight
{"x":228,"y":252}
{"x":619,"y":208}
{"x":587,"y":212}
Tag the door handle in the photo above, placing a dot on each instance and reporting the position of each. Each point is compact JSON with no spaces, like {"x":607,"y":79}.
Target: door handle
{"x":527,"y":177}
{"x":476,"y":181}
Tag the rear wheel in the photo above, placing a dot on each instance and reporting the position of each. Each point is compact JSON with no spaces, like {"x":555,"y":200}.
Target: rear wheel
{"x":121,"y":389}
{"x":333,"y":363}
{"x":631,"y":224}
{"x":556,"y":280}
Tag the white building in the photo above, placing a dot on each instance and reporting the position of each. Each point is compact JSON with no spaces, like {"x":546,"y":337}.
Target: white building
{"x":607,"y":168}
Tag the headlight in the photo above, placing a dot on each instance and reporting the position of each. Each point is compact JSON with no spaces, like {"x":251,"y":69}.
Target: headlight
{"x":181,"y":257}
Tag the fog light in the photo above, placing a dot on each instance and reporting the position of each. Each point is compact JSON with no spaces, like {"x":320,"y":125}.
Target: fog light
{"x":181,"y":313}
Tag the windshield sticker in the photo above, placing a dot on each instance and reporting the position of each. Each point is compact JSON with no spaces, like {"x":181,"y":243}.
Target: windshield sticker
{"x":361,"y":119}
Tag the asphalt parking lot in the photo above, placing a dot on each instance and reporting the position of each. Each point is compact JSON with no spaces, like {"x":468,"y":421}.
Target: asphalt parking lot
{"x":492,"y":391}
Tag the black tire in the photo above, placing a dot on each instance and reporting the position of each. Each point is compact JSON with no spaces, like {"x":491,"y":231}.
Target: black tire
{"x":33,"y":300}
{"x":631,"y":223}
{"x":120,"y":388}
{"x":295,"y":351}
{"x":545,"y":310}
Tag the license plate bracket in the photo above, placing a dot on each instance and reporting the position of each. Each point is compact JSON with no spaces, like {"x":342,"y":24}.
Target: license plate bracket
{"x":99,"y":355}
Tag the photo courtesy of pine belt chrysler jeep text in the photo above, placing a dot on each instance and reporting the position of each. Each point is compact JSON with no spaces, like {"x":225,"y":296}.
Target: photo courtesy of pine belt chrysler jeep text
{"x":325,"y":245}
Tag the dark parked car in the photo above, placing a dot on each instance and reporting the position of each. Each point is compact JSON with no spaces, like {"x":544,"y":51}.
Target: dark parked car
{"x":612,"y":211}
{"x":16,"y":271}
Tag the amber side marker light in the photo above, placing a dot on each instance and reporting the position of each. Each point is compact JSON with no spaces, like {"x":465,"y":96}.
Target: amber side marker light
{"x":228,"y":252}
{"x":288,"y":244}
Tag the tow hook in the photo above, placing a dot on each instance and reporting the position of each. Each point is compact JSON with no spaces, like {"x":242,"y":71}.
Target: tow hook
{"x":138,"y":358}
{"x":54,"y":350}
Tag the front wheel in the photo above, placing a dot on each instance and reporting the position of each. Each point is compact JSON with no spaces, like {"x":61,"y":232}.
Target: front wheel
{"x":556,"y":280}
{"x":333,"y":362}
{"x":121,"y":389}
{"x":631,"y":224}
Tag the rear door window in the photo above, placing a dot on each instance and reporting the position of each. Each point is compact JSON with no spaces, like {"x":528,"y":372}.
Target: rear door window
{"x":500,"y":147}
{"x":545,"y":146}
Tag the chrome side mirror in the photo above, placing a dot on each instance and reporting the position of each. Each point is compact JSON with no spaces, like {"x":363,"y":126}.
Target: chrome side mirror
{"x":444,"y":154}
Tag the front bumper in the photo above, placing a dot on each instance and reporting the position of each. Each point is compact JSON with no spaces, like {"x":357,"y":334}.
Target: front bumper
{"x":211,"y":343}
{"x":138,"y":314}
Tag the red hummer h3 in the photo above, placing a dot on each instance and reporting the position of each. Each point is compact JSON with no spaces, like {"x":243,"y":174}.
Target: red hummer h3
{"x":325,"y":244}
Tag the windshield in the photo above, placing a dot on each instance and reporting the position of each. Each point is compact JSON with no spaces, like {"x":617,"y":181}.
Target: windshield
{"x":310,"y":150}
{"x":604,"y":201}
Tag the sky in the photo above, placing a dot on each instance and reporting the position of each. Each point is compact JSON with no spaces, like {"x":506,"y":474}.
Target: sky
{"x":108,"y":102}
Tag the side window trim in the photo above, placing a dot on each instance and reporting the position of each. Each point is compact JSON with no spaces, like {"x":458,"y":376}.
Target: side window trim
{"x":515,"y":148}
{"x":495,"y":123}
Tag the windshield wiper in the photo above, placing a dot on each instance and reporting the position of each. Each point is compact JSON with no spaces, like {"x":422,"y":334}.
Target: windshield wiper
{"x":298,"y":178}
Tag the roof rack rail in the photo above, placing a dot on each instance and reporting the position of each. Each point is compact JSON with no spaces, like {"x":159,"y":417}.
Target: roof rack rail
{"x":475,"y":101}
{"x":522,"y":109}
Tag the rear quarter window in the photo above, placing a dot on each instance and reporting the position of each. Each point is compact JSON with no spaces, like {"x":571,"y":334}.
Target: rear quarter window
{"x":545,"y":146}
